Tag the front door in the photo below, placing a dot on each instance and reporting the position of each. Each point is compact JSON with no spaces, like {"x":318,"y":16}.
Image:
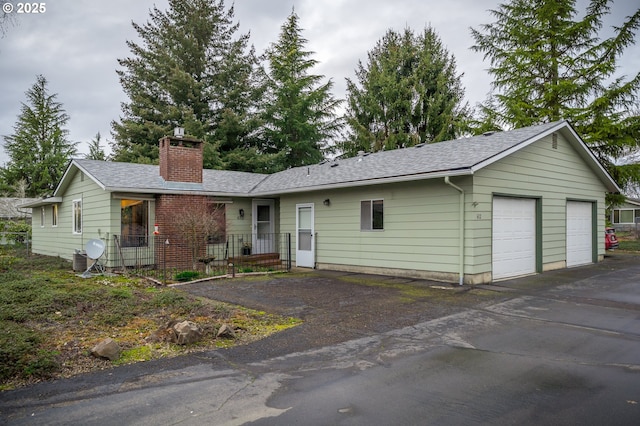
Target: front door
{"x":305,"y":250}
{"x":263,"y":237}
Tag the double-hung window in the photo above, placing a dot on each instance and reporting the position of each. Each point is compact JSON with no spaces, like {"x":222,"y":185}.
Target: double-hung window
{"x":371,"y":215}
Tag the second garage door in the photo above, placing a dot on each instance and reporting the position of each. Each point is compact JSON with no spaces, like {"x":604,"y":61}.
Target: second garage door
{"x":579,"y":233}
{"x":514,"y":237}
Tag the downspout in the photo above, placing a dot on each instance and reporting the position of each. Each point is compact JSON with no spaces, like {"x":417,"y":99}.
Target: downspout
{"x":461,"y":233}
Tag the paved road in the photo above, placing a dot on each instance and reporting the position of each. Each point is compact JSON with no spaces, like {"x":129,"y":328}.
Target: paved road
{"x":558,"y":348}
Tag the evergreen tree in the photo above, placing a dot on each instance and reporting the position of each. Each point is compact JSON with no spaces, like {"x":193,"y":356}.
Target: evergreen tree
{"x":548,"y":65}
{"x":188,"y":72}
{"x":408,"y":93}
{"x":38,"y":149}
{"x":300,"y":111}
{"x":95,"y":149}
{"x":235,"y":139}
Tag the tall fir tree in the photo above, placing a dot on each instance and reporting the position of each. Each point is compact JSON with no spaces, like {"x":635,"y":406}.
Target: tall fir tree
{"x":189,"y":71}
{"x":38,"y":149}
{"x":300,"y":117}
{"x":235,"y":139}
{"x":95,"y":149}
{"x":409,"y":92}
{"x":549,"y":65}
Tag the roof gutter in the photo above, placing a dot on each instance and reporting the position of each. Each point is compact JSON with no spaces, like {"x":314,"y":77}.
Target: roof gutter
{"x":461,"y":231}
{"x":365,"y":182}
{"x":40,"y":203}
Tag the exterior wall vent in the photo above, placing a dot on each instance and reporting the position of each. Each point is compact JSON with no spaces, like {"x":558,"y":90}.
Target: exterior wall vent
{"x":554,"y":141}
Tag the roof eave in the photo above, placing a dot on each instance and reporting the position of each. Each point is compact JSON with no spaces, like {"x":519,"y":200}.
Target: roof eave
{"x":367,"y":182}
{"x":40,"y":203}
{"x":175,"y":192}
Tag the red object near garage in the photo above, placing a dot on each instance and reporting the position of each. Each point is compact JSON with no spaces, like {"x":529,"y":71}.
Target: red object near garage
{"x":610,"y":239}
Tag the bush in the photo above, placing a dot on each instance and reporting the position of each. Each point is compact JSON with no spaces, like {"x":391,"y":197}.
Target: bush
{"x":168,"y":298}
{"x":17,"y":232}
{"x":185,"y":276}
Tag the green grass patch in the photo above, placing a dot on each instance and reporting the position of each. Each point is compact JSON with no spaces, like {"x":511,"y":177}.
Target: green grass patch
{"x":137,"y":354}
{"x":629,"y":245}
{"x":185,"y":276}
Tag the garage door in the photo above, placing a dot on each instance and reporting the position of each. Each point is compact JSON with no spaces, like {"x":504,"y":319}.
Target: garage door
{"x":514,"y":237}
{"x":579,"y":233}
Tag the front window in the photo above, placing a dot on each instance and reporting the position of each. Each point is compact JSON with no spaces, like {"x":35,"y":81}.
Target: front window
{"x":371,"y":215}
{"x":54,"y":215}
{"x":134,"y":221}
{"x":77,"y":217}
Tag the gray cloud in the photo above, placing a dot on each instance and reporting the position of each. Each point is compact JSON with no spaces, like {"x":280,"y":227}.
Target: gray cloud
{"x":75,"y":44}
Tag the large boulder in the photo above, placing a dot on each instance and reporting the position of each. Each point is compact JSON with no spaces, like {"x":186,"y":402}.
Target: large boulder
{"x":108,"y":349}
{"x":187,"y":332}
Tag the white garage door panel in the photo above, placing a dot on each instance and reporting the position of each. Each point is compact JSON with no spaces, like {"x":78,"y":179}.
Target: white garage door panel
{"x":579,"y":233}
{"x":514,"y":237}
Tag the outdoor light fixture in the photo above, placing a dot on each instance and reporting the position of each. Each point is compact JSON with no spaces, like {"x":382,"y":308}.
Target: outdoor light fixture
{"x":241,"y":213}
{"x":327,"y":202}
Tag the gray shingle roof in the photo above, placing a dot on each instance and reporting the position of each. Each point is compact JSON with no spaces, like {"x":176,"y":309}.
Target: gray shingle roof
{"x":444,"y":157}
{"x":456,"y":157}
{"x":132,"y":177}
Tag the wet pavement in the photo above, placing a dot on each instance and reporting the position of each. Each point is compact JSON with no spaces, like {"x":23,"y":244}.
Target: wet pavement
{"x":556,"y":348}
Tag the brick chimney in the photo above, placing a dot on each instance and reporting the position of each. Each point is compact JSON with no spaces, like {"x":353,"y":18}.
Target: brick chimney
{"x":181,"y":158}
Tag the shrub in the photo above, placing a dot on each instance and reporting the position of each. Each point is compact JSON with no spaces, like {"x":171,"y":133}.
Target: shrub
{"x":175,"y":301}
{"x":17,"y":232}
{"x":185,"y":276}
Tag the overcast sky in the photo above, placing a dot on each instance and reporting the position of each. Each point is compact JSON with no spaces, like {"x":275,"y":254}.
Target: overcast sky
{"x":75,"y":44}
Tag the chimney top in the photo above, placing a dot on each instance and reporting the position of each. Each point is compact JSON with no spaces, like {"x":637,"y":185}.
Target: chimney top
{"x":181,"y":159}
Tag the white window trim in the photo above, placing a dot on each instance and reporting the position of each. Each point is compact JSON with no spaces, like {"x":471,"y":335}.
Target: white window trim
{"x":371,"y":201}
{"x":73,"y":216}
{"x":42,"y":216}
{"x":54,"y":215}
{"x":619,"y":211}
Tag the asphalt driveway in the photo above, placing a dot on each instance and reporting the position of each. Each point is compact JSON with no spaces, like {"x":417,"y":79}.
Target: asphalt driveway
{"x":561,"y":347}
{"x":338,"y":306}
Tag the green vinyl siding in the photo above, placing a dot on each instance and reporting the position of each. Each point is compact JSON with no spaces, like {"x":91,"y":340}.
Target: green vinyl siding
{"x":539,"y":170}
{"x":420,"y":226}
{"x":96,"y":221}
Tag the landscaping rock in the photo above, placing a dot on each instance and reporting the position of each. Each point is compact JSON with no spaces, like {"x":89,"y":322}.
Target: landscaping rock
{"x":108,"y":349}
{"x":187,"y":332}
{"x":226,"y":332}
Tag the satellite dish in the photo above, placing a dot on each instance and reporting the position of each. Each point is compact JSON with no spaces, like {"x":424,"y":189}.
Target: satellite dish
{"x":95,"y":248}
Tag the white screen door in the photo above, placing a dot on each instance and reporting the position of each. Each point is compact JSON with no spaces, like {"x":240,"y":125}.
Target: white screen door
{"x":305,"y":253}
{"x":263,"y":236}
